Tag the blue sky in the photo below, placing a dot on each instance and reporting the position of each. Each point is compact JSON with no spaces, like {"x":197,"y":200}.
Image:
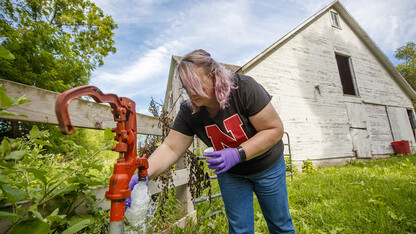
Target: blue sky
{"x":151,"y":31}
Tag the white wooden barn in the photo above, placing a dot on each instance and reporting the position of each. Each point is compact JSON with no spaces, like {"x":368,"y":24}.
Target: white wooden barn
{"x":338,"y":95}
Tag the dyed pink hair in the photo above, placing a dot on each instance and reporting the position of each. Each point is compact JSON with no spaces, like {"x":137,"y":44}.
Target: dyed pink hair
{"x":223,"y":79}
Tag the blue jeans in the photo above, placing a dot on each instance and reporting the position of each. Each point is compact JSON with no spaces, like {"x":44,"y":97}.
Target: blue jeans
{"x":271,"y":191}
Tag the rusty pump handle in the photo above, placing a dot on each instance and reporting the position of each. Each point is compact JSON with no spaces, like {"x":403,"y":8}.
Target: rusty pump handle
{"x":61,"y":106}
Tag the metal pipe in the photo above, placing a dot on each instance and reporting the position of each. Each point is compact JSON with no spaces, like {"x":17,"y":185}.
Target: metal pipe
{"x":116,"y":227}
{"x":207,"y":198}
{"x":210,"y":215}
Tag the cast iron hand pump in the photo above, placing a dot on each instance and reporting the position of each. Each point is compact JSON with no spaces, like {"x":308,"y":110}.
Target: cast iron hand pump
{"x":124,"y":111}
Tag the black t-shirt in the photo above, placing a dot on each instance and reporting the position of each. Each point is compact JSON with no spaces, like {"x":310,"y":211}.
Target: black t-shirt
{"x":231,"y":126}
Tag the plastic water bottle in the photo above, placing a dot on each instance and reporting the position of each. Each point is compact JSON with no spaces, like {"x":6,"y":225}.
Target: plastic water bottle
{"x":142,"y":209}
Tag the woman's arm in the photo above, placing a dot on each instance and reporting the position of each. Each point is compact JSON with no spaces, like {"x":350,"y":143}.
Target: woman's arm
{"x":168,"y":153}
{"x":269,"y":131}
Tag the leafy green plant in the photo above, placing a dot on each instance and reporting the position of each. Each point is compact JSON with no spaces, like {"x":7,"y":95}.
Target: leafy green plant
{"x":54,"y":185}
{"x":307,"y":166}
{"x":7,"y":102}
{"x":357,"y":163}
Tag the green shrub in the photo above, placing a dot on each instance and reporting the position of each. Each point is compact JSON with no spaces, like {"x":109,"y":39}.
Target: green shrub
{"x":307,"y":166}
{"x":52,"y":182}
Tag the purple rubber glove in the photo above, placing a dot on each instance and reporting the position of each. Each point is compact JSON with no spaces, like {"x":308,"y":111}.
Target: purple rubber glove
{"x":133,"y":181}
{"x":222,"y":160}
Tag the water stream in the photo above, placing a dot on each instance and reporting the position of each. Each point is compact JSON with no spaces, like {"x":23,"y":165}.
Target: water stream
{"x":141,"y":212}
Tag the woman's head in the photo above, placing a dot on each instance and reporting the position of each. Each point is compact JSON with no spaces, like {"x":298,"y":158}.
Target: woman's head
{"x":204,"y":79}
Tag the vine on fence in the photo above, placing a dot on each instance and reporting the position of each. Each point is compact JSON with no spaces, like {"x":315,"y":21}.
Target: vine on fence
{"x":198,"y":179}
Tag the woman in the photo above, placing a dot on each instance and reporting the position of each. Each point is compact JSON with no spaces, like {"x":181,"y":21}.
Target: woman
{"x":233,"y":114}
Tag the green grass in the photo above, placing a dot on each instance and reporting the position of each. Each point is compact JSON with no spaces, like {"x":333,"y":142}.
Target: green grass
{"x":361,"y":197}
{"x":372,"y":197}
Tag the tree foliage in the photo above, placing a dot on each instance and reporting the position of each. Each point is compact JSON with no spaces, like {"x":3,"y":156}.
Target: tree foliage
{"x":56,"y":43}
{"x":407,"y":68}
{"x":54,"y":185}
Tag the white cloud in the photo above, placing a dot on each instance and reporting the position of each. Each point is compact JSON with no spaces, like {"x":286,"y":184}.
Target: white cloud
{"x":143,"y":79}
{"x":209,"y":22}
{"x":311,"y":6}
{"x":232,"y":31}
{"x":139,"y":70}
{"x":181,"y":37}
{"x":389,"y":23}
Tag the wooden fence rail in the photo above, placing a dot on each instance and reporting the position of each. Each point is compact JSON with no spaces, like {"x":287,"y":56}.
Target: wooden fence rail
{"x":92,"y":115}
{"x":83,"y":113}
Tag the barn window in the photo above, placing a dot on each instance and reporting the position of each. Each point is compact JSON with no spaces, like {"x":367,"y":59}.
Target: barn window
{"x":335,"y":19}
{"x":346,"y":74}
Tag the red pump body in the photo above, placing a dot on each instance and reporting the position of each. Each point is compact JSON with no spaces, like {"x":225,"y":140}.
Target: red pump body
{"x":124,"y":111}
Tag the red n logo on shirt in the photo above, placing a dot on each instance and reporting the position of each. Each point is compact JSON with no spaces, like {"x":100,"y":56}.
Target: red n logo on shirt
{"x":220,"y":140}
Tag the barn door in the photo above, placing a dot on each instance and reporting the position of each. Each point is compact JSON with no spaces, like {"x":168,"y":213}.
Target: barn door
{"x":400,"y":125}
{"x":358,"y":129}
{"x":361,"y":142}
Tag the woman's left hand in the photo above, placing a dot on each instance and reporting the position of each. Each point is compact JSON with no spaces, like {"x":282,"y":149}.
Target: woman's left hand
{"x":222,"y":160}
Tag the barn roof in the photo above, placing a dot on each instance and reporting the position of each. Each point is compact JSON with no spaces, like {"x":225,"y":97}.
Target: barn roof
{"x":353,"y":24}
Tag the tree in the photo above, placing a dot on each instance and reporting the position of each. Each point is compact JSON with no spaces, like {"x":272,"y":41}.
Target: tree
{"x":407,"y":68}
{"x":56,"y":43}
